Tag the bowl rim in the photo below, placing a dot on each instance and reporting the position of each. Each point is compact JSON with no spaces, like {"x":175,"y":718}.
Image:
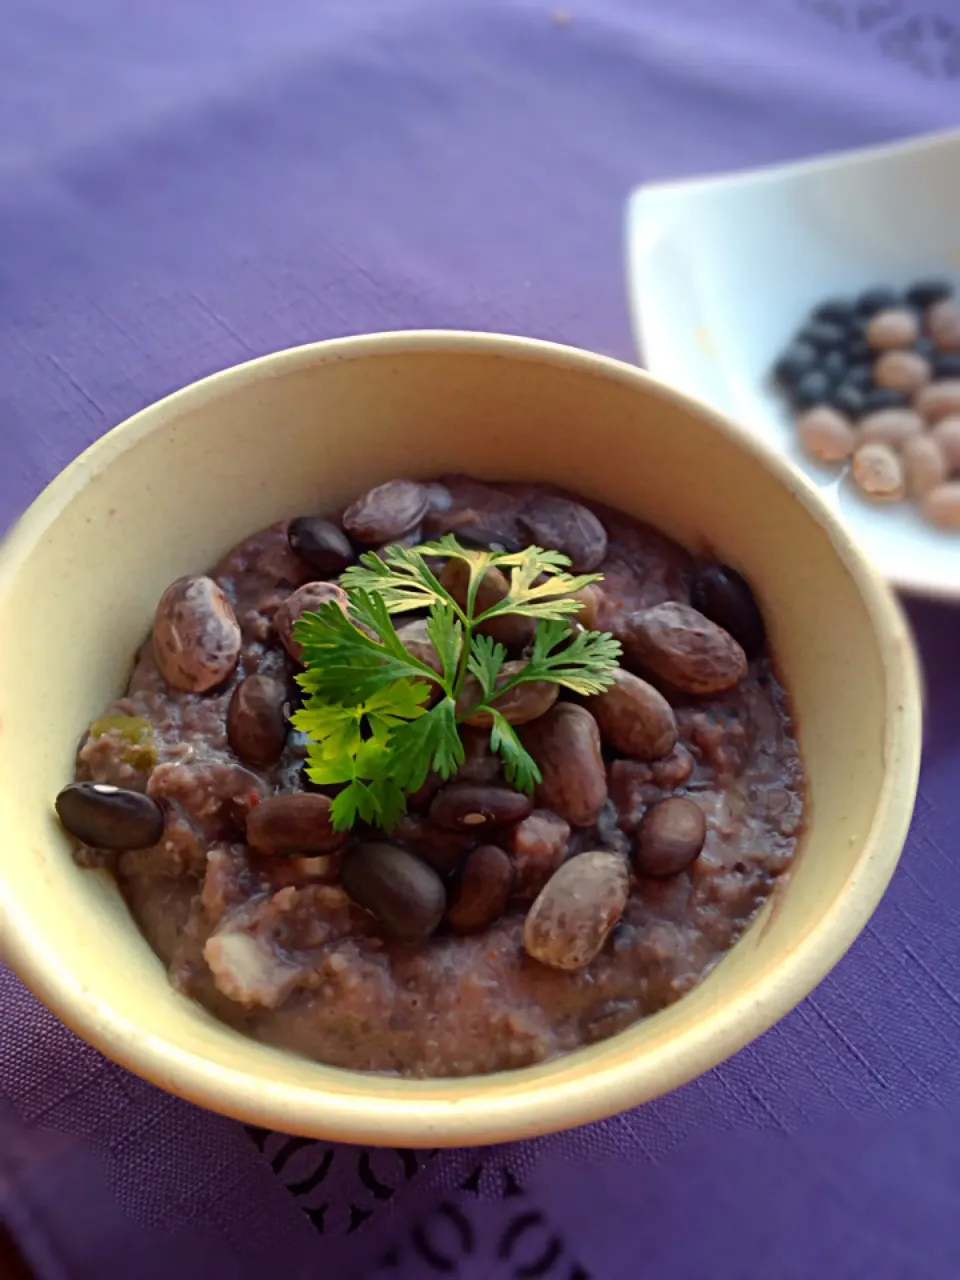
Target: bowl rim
{"x":514,"y":1104}
{"x":650,"y":195}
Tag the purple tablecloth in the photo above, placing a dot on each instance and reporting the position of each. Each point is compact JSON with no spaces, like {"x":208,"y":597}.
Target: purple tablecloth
{"x":186,"y":185}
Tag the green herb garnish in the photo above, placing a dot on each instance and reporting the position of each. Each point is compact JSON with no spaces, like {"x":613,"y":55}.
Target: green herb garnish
{"x":366,"y":713}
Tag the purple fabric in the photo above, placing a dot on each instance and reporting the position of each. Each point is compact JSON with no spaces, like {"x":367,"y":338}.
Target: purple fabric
{"x":185,"y":185}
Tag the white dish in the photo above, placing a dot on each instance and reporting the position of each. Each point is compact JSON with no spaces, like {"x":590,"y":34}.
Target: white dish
{"x":723,"y":271}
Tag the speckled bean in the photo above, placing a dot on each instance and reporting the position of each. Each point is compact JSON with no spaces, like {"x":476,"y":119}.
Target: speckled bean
{"x":825,"y":434}
{"x":565,"y":743}
{"x":574,"y":912}
{"x":306,"y":599}
{"x":386,"y":512}
{"x":634,"y":718}
{"x":681,"y":645}
{"x":878,"y":472}
{"x":196,"y":636}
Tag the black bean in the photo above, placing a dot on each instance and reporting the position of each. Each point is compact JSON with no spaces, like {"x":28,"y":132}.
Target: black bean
{"x":797,"y":360}
{"x":946,"y":364}
{"x":109,"y":817}
{"x":823,"y":335}
{"x":884,"y":398}
{"x":840,"y":311}
{"x":462,"y":806}
{"x":927,"y":348}
{"x":879,"y":299}
{"x":848,"y":399}
{"x":405,"y":895}
{"x":834,"y":365}
{"x":320,"y":544}
{"x":813,"y":388}
{"x":926,"y":292}
{"x":724,"y":596}
{"x":859,"y":376}
{"x":670,"y":836}
{"x":858,"y":349}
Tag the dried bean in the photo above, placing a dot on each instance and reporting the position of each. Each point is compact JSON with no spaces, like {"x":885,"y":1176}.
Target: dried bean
{"x":461,"y":806}
{"x":572,"y":917}
{"x":943,"y":324}
{"x":941,"y":506}
{"x":924,"y":466}
{"x":892,"y":328}
{"x":925,"y":293}
{"x":405,"y":895}
{"x":947,"y":435}
{"x":386,"y":512}
{"x":108,"y":817}
{"x":196,"y":636}
{"x":256,"y":725}
{"x":320,"y":544}
{"x":565,"y":743}
{"x":565,"y":526}
{"x":483,"y":890}
{"x":902,"y":370}
{"x":634,"y":718}
{"x":938,"y":400}
{"x":670,"y":836}
{"x":878,"y":472}
{"x":681,"y":645}
{"x":826,"y":434}
{"x":306,"y":599}
{"x":893,"y":427}
{"x":539,"y":846}
{"x":726,"y":598}
{"x":298,"y":822}
{"x":520,"y":705}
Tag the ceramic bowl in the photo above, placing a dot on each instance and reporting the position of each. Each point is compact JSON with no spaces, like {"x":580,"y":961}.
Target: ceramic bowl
{"x":724,"y":270}
{"x":169,"y":490}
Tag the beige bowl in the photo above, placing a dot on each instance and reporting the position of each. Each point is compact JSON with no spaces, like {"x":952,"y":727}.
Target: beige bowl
{"x":169,"y":490}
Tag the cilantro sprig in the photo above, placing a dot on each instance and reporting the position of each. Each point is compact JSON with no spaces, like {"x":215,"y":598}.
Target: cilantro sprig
{"x":379,"y":719}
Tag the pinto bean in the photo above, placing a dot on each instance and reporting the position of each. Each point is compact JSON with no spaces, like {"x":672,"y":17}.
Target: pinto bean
{"x":386,"y":512}
{"x":565,"y":743}
{"x":634,"y":717}
{"x":196,"y":636}
{"x":678,"y":643}
{"x":566,"y":526}
{"x":575,"y":911}
{"x":306,"y":599}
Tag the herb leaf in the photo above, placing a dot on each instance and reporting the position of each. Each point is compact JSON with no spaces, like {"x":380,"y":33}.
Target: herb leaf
{"x":366,"y":715}
{"x":519,"y":766}
{"x":430,"y":743}
{"x":486,"y":659}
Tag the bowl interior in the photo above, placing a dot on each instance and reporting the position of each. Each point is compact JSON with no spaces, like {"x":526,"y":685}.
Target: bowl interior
{"x":725,"y":270}
{"x":307,"y":430}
